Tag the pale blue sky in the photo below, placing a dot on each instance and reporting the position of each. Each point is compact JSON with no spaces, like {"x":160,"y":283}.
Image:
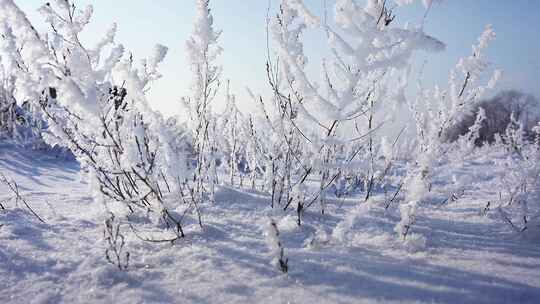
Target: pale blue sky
{"x":142,"y":23}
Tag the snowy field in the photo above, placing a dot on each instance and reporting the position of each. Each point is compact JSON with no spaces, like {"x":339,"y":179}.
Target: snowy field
{"x":469,"y":258}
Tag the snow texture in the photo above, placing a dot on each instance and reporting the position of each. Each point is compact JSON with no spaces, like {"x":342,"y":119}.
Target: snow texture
{"x":471,"y":258}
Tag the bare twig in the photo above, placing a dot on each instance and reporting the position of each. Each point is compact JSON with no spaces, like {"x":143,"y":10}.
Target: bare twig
{"x":14,"y":188}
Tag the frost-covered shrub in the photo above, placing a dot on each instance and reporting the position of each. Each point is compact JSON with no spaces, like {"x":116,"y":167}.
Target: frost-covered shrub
{"x":498,"y":111}
{"x":8,"y":106}
{"x":408,"y":217}
{"x":343,"y":228}
{"x":519,"y":181}
{"x":435,"y":112}
{"x":328,"y":130}
{"x":18,"y":121}
{"x":93,"y":100}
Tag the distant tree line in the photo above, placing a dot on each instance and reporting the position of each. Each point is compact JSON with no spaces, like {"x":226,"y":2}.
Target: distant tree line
{"x":524,"y":108}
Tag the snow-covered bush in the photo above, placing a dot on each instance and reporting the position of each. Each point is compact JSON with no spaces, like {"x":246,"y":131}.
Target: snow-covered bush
{"x":343,"y":228}
{"x":329,"y":130}
{"x":95,"y":105}
{"x":18,"y":121}
{"x":445,"y":107}
{"x":519,"y":181}
{"x":8,"y":106}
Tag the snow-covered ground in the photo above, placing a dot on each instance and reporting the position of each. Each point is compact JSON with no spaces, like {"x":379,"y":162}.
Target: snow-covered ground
{"x":468,"y":258}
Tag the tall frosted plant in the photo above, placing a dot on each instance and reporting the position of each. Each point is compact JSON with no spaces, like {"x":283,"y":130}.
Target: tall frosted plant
{"x":203,"y":51}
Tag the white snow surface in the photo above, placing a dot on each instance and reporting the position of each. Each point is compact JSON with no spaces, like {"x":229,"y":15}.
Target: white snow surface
{"x":468,"y":257}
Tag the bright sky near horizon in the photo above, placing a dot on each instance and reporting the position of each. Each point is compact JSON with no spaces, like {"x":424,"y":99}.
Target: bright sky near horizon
{"x":458,"y":23}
